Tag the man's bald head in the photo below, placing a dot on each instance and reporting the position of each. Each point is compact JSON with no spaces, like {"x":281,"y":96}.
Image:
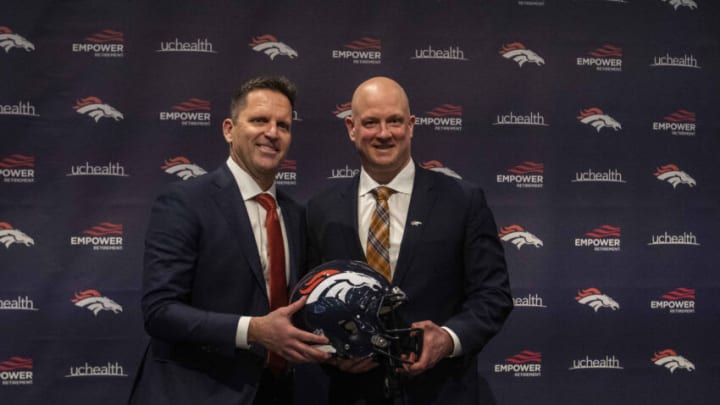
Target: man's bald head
{"x":379,"y":86}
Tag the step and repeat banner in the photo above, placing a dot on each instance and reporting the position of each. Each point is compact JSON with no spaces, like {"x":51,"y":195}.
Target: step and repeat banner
{"x":591,"y":124}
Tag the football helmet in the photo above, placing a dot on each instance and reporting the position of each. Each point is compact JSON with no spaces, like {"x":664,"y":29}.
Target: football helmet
{"x":354,"y":306}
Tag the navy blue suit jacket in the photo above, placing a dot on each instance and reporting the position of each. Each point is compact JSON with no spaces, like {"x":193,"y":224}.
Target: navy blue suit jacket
{"x":202,"y":272}
{"x":451,"y":266}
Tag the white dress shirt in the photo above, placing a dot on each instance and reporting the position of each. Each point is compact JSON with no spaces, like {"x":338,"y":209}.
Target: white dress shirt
{"x":399,"y":205}
{"x":249,"y":189}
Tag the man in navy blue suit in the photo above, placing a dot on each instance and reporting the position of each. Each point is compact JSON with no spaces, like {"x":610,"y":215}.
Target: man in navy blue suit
{"x":212,"y":273}
{"x":443,"y":252}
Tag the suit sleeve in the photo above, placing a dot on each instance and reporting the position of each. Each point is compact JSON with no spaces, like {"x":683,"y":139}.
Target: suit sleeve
{"x":171,"y":254}
{"x":488,"y":300}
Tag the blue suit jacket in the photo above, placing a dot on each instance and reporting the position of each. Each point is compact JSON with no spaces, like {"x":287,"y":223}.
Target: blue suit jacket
{"x":451,"y":266}
{"x":202,"y":272}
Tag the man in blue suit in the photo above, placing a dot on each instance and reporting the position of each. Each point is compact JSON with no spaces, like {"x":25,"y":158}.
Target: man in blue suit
{"x":209,"y":271}
{"x":443,"y":252}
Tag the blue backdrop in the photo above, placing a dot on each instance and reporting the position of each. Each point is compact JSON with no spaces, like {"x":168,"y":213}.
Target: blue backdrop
{"x":590,"y":124}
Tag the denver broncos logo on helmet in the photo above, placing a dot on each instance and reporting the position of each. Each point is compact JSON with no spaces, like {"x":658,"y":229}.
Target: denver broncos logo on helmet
{"x":9,"y":40}
{"x":271,"y":47}
{"x":520,"y":54}
{"x":672,"y":361}
{"x":593,"y":298}
{"x":519,"y":237}
{"x":308,"y":286}
{"x":94,"y":107}
{"x":686,"y":3}
{"x":354,"y":307}
{"x":9,"y":236}
{"x":95,"y":302}
{"x":599,"y":120}
{"x":341,"y":286}
{"x":673,"y":175}
{"x":181,"y":167}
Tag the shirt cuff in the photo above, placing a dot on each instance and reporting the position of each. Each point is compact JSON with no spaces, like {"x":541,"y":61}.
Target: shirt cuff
{"x":457,"y":347}
{"x":241,"y":335}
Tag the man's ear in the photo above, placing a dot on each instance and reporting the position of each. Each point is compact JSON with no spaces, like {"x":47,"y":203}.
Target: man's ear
{"x":411,"y":125}
{"x":350,"y":125}
{"x":227,"y":127}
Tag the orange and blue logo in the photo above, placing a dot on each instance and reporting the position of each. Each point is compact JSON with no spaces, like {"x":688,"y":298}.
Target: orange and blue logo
{"x":672,"y":361}
{"x":270,"y":46}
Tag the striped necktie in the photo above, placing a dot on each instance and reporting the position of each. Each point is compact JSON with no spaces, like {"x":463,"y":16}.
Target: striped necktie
{"x":378,"y":243}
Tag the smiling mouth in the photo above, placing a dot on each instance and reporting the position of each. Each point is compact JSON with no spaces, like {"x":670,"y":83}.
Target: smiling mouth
{"x":267,"y":148}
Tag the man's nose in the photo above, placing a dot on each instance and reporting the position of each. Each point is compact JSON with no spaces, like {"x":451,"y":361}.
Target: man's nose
{"x":272,"y":129}
{"x":384,"y":130}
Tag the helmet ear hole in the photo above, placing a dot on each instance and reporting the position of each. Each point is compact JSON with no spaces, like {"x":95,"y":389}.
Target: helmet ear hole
{"x":350,"y":327}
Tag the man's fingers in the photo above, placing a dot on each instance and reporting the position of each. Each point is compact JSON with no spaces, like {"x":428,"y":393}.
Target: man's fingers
{"x":296,"y":306}
{"x":302,"y":353}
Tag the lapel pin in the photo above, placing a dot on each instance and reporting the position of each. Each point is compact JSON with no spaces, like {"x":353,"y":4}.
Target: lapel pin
{"x":415,"y":223}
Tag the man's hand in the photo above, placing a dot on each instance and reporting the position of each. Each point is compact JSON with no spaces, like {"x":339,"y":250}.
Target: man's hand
{"x":437,"y":344}
{"x":276,"y":333}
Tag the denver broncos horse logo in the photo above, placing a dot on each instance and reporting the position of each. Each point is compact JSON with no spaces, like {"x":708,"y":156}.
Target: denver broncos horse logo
{"x":595,"y":117}
{"x":673,"y":175}
{"x":593,"y":298}
{"x":95,"y":108}
{"x":436,"y":166}
{"x":520,"y":54}
{"x":338,"y":285}
{"x":9,"y":236}
{"x":686,"y":3}
{"x":519,"y":237}
{"x":343,"y":110}
{"x":672,"y":361}
{"x":271,"y":47}
{"x":95,"y":302}
{"x":9,"y":40}
{"x":181,"y":167}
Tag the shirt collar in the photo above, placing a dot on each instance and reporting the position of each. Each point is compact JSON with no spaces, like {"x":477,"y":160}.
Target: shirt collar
{"x":401,"y":183}
{"x":248,"y":187}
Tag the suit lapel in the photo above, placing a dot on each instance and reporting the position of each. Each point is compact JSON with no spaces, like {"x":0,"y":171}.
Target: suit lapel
{"x":421,"y":202}
{"x":349,"y":205}
{"x":231,"y":204}
{"x":292,"y":219}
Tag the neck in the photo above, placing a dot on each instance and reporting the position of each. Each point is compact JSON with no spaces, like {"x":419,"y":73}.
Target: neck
{"x":263,"y":179}
{"x":264,"y":184}
{"x":383,"y":177}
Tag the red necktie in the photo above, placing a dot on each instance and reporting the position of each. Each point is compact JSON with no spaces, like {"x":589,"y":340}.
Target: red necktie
{"x":276,"y":266}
